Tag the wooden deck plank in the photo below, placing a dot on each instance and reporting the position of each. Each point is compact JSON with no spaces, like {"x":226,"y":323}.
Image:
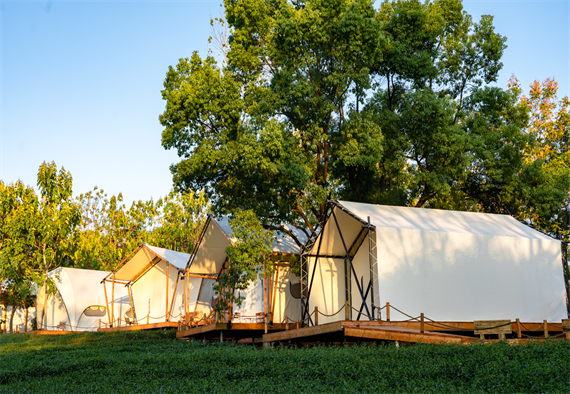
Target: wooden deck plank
{"x":303,"y":332}
{"x":446,"y":325}
{"x":239,"y":329}
{"x":137,"y":327}
{"x":387,"y":334}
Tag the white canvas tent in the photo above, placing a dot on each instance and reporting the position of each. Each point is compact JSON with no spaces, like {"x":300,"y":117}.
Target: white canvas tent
{"x":79,"y":302}
{"x":209,"y":259}
{"x":449,"y":265}
{"x":151,"y":275}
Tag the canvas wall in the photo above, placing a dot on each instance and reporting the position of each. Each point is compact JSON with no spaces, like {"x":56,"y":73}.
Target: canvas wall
{"x":465,"y":277}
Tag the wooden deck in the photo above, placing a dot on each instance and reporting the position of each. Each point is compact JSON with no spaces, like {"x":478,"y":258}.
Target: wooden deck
{"x":220,"y":331}
{"x":356,"y":331}
{"x":368,"y":331}
{"x":136,"y":327}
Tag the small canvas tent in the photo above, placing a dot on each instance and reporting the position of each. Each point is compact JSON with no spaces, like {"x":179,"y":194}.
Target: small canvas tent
{"x":151,"y":275}
{"x":209,"y":259}
{"x":449,"y":265}
{"x":79,"y":302}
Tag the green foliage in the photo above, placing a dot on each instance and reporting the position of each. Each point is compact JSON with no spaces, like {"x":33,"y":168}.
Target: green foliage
{"x":109,"y":231}
{"x":321,"y":99}
{"x":257,"y":134}
{"x":153,"y":361}
{"x":249,"y":258}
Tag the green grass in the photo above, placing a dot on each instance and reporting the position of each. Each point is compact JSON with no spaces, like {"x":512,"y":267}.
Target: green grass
{"x":156,"y":362}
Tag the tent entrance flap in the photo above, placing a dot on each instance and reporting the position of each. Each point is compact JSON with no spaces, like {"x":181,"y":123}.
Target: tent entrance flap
{"x":210,"y":253}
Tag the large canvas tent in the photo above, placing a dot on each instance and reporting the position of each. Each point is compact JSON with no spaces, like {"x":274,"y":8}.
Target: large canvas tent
{"x":272,"y":294}
{"x":449,"y":265}
{"x":79,"y":302}
{"x":151,"y":276}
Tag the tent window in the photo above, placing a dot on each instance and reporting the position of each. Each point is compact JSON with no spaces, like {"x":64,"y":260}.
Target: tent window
{"x":95,"y":310}
{"x":295,"y":289}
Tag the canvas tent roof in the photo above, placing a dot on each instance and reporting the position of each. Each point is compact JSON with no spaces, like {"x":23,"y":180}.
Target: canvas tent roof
{"x":144,"y":258}
{"x":421,"y":219}
{"x":217,"y":235}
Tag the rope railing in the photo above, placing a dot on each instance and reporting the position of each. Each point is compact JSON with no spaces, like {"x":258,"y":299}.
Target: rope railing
{"x":528,"y":329}
{"x":334,"y":314}
{"x":422,"y":319}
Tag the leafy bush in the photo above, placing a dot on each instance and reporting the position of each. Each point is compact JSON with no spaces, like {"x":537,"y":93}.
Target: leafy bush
{"x":154,"y":361}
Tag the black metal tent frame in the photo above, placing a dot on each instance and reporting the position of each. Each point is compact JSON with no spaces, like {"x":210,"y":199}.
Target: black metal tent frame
{"x":349,"y":253}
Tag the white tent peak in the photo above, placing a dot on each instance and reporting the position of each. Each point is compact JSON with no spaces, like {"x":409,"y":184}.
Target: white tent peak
{"x":439,"y":220}
{"x":179,"y":259}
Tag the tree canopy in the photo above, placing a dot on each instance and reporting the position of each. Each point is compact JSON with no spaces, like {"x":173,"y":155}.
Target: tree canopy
{"x":338,"y":99}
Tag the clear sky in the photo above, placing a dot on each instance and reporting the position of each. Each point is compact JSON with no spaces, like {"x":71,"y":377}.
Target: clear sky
{"x":80,"y":81}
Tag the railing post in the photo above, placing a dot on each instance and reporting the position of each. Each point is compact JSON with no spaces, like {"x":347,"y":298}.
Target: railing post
{"x":545,"y":328}
{"x":316,"y":315}
{"x":99,"y":323}
{"x":387,"y":311}
{"x":148,"y":318}
{"x":297,"y":323}
{"x":346,"y":311}
{"x":519,"y":329}
{"x":266,"y":320}
{"x":422,"y":322}
{"x":287,"y":322}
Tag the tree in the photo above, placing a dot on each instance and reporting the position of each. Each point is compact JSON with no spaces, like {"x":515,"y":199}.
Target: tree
{"x":109,"y":231}
{"x":53,"y":225}
{"x":248,"y":259}
{"x":323,"y":99}
{"x":179,"y":219}
{"x":257,"y":134}
{"x":549,"y":133}
{"x":18,"y":208}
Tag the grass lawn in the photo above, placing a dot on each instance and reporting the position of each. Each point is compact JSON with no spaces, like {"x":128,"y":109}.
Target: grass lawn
{"x":156,"y":362}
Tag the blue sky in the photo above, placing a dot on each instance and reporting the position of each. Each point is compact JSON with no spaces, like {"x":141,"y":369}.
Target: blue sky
{"x":80,"y":81}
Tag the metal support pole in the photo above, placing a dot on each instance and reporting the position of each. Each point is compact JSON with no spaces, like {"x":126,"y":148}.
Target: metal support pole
{"x":373,"y":267}
{"x":306,"y":307}
{"x":113,"y":300}
{"x":351,"y":266}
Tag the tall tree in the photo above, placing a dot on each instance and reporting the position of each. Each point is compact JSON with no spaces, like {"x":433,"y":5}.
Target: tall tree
{"x":549,"y":133}
{"x":18,"y":210}
{"x":258,"y":133}
{"x":323,"y":99}
{"x":54,"y":224}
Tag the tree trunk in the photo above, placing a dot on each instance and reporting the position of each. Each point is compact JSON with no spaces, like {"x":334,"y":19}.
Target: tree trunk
{"x":12,"y":319}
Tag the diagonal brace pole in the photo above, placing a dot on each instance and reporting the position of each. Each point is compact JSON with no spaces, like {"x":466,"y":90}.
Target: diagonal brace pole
{"x":306,"y":307}
{"x":365,"y":295}
{"x":350,"y":261}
